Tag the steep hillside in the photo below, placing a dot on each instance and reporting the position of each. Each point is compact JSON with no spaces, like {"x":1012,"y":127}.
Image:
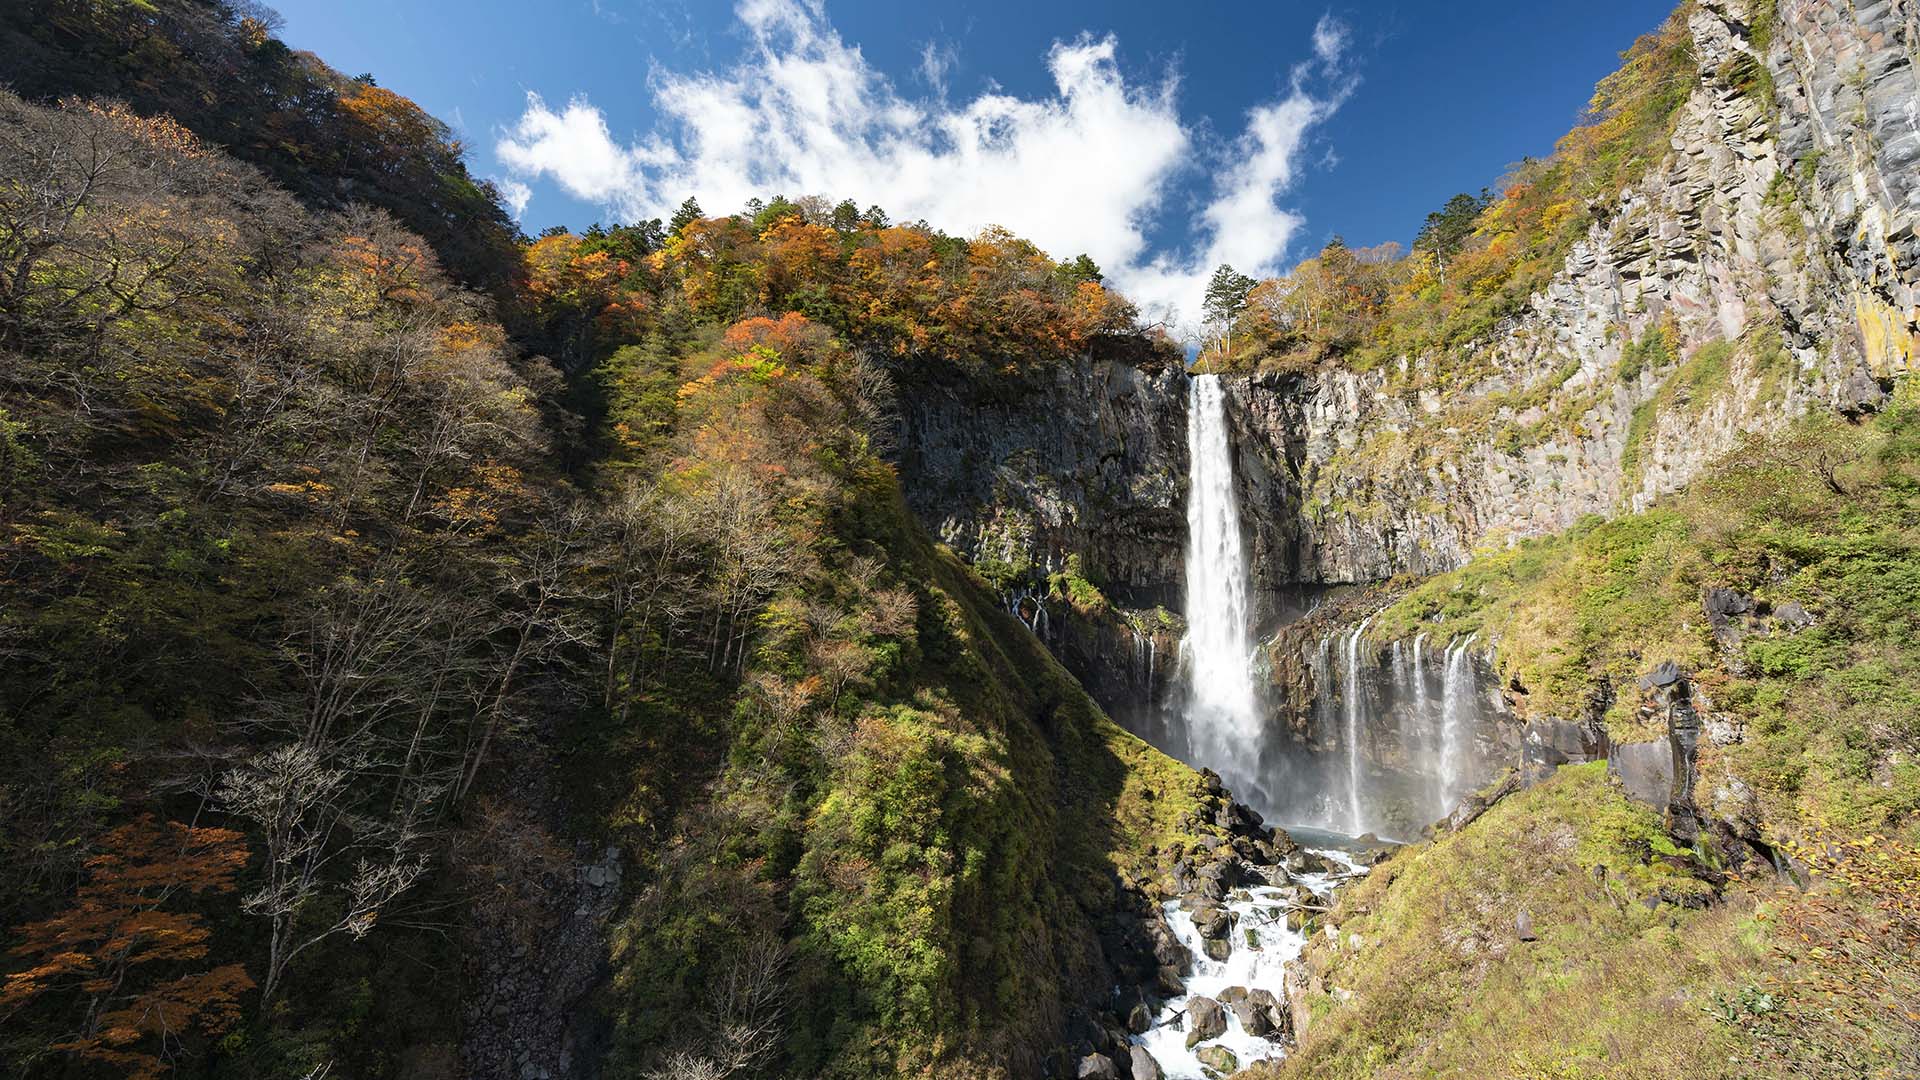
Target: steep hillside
{"x":378,"y":698}
{"x":215,"y":67}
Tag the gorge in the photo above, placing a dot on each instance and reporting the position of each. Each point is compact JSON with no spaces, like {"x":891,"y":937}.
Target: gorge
{"x":793,"y":642}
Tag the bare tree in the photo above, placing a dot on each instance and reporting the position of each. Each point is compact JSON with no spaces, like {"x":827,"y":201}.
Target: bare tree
{"x":302,"y":809}
{"x":537,"y":605}
{"x":744,"y":1019}
{"x":650,"y":584}
{"x":752,"y":557}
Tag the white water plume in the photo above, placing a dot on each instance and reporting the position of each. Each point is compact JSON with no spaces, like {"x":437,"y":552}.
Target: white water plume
{"x":1456,"y":703}
{"x":1223,"y":715}
{"x":1356,"y":714}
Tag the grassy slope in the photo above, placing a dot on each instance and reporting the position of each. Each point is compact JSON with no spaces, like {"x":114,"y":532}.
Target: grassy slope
{"x":1770,"y":980}
{"x":1443,"y":986}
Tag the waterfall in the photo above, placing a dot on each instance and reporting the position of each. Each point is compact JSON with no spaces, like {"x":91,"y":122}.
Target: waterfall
{"x":1356,"y":707}
{"x":1431,"y":731}
{"x":1223,"y":717}
{"x":1456,"y":690}
{"x":1419,"y":676}
{"x":1150,"y":658}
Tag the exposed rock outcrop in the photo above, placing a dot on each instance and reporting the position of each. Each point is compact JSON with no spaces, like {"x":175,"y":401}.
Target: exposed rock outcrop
{"x":1087,"y":458}
{"x":1784,"y":226}
{"x":1796,"y":248}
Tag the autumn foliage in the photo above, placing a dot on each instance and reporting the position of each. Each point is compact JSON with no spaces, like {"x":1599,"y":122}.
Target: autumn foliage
{"x":1480,"y":258}
{"x":122,"y":965}
{"x":1851,"y":946}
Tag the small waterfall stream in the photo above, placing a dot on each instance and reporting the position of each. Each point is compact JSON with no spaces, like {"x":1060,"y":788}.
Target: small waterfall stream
{"x":1356,"y":713}
{"x":1456,"y":700}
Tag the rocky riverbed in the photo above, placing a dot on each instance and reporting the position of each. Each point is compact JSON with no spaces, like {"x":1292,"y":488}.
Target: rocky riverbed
{"x":1233,"y":1010}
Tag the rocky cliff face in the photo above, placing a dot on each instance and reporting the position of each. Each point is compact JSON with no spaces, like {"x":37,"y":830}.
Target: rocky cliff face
{"x":1085,"y":459}
{"x":1767,"y":265}
{"x":1772,"y":251}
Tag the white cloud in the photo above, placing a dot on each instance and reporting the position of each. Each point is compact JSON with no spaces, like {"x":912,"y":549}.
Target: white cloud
{"x":1085,"y":168}
{"x":1330,"y":39}
{"x":936,"y":63}
{"x":515,"y":194}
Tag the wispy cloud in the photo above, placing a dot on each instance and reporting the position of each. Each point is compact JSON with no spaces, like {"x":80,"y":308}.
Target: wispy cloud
{"x":515,"y":194}
{"x":936,"y":63}
{"x":1087,"y":167}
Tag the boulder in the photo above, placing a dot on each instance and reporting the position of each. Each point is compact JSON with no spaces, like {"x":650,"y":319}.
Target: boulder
{"x":1548,"y":743}
{"x":1139,"y":1018}
{"x":1144,"y":1067}
{"x":1205,"y":1020}
{"x":1097,"y":1067}
{"x":1212,"y":921}
{"x":1270,"y":1018}
{"x":1217,"y":949}
{"x":1727,"y":612}
{"x":1725,"y":605}
{"x":1792,"y":614}
{"x":1665,"y":675}
{"x":1218,"y":1058}
{"x":1644,"y":769}
{"x":1168,"y":982}
{"x":1252,"y":1017}
{"x":1171,"y":953}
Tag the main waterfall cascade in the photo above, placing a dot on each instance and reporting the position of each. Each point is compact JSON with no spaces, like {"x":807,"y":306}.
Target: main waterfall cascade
{"x":1224,"y":728}
{"x":1384,"y":732}
{"x":1396,"y":741}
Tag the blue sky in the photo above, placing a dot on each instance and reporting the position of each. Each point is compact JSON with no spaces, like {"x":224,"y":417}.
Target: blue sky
{"x":1162,"y":138}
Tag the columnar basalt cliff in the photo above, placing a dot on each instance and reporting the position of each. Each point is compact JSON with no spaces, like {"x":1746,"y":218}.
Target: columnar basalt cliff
{"x":1019,"y":472}
{"x":1765,"y":266}
{"x":1772,"y":249}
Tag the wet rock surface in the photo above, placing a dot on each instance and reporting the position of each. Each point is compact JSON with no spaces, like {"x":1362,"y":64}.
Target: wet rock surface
{"x":535,"y":934}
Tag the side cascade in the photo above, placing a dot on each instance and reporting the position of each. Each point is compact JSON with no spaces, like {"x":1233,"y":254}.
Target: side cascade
{"x":1356,"y":710}
{"x":1406,"y":724}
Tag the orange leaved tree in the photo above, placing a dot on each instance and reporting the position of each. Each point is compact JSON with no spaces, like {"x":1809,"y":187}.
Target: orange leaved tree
{"x":119,"y":966}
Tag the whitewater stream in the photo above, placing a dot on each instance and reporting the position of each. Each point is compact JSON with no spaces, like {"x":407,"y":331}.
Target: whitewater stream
{"x":1262,"y":944}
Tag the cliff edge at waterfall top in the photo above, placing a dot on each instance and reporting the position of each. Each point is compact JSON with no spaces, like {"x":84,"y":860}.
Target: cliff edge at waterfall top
{"x":953,"y":543}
